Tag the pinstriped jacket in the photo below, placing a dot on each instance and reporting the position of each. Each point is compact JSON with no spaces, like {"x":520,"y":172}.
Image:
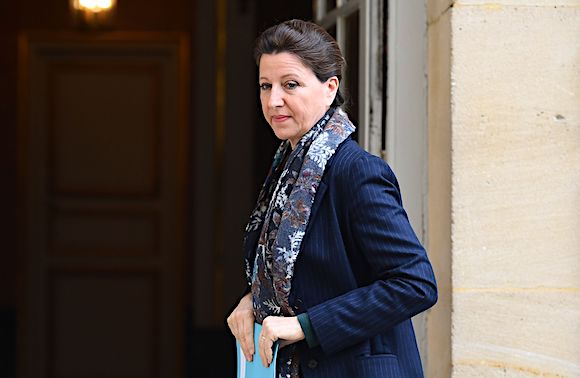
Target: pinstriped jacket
{"x":361,"y":274}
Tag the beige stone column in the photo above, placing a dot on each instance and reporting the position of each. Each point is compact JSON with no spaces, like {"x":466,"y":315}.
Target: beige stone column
{"x":438,"y":319}
{"x":504,"y":187}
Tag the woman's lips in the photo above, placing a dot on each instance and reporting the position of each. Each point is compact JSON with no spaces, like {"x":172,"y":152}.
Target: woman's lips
{"x":280,"y":118}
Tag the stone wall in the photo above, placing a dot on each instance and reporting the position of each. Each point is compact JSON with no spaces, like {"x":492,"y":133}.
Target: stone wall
{"x":514,"y":184}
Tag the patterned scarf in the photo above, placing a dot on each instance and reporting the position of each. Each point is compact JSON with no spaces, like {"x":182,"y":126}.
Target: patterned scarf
{"x":281,"y":217}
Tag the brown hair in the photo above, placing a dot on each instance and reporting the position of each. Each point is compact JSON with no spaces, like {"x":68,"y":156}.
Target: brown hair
{"x":310,"y":43}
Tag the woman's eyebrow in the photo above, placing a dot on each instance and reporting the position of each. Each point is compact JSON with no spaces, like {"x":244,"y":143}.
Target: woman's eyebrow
{"x":292,"y":74}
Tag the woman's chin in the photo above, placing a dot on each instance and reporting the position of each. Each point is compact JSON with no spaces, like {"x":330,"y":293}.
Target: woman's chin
{"x":282,"y":134}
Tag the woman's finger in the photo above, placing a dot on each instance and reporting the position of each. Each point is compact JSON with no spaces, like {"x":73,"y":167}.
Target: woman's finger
{"x":268,"y":351}
{"x":268,"y":337}
{"x":261,"y":348}
{"x":241,"y":323}
{"x":247,"y":337}
{"x":265,"y":348}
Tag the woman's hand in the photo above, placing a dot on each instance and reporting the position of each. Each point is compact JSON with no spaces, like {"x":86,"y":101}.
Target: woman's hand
{"x":241,"y":323}
{"x":285,"y":329}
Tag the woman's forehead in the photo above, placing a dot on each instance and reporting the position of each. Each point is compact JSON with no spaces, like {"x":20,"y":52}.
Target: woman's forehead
{"x":281,"y":64}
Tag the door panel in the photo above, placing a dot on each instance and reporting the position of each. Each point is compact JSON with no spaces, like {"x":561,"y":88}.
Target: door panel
{"x":83,"y":344}
{"x":103,"y":124}
{"x":120,"y":234}
{"x":115,"y":152}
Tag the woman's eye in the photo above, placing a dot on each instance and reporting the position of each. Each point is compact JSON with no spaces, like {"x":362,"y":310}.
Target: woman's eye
{"x":291,"y":85}
{"x":265,"y":86}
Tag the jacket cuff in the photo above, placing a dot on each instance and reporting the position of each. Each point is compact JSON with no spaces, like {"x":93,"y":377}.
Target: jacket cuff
{"x":306,"y":326}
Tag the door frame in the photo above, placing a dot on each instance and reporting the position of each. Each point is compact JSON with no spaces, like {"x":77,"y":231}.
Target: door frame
{"x":25,"y":40}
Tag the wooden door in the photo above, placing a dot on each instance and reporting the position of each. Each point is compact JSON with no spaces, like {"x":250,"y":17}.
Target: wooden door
{"x":102,"y":123}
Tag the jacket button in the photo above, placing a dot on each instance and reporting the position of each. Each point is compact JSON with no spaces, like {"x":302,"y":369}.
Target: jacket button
{"x":312,"y":364}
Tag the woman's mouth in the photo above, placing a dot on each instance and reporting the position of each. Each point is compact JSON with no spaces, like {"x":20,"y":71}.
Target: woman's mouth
{"x":280,"y":118}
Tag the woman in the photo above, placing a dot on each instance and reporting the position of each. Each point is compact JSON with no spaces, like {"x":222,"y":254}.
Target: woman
{"x":334,"y":269}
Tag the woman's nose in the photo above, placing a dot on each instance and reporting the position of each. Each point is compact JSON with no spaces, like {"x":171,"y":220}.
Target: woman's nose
{"x":276,"y":97}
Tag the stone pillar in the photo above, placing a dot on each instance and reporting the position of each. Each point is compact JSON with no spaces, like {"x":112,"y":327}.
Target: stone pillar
{"x":438,"y":319}
{"x":504,"y":187}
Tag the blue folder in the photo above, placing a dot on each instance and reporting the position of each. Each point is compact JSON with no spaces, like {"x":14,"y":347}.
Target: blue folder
{"x":255,"y":369}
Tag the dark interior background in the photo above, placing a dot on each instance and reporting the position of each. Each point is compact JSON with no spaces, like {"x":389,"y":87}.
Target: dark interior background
{"x":206,"y":333}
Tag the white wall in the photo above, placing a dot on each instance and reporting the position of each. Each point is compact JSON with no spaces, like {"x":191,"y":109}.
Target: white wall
{"x":406,"y":145}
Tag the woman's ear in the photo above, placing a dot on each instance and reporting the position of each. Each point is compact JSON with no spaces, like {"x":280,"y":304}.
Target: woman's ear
{"x":332,"y":85}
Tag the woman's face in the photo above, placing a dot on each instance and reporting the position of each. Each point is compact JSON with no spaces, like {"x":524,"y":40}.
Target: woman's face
{"x":292,"y":97}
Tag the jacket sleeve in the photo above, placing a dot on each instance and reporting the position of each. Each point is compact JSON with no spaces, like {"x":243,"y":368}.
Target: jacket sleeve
{"x":401,"y":278}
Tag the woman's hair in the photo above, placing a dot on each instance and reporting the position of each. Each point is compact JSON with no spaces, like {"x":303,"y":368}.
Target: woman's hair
{"x":310,"y":43}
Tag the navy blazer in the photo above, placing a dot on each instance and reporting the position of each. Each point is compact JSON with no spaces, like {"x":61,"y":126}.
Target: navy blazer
{"x":361,"y":273}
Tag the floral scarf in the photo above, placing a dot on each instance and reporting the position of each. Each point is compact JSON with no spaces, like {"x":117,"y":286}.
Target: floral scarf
{"x":281,"y":217}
